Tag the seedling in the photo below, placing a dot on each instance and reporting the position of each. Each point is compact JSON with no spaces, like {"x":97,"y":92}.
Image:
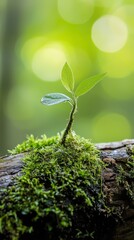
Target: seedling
{"x":67,"y":79}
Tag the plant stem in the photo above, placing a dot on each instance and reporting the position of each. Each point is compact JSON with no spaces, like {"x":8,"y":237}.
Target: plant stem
{"x":70,"y":122}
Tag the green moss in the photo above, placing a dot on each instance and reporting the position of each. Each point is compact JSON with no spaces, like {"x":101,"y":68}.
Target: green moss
{"x":35,"y":143}
{"x":125,"y":175}
{"x":59,"y":195}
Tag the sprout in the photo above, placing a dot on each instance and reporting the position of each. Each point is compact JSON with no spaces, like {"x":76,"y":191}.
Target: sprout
{"x":67,"y":79}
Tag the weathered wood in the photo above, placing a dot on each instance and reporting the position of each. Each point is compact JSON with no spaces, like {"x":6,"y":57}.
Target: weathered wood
{"x":113,"y":154}
{"x":10,"y":167}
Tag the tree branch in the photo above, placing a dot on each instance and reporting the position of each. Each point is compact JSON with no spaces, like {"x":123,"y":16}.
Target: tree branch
{"x":114,"y":154}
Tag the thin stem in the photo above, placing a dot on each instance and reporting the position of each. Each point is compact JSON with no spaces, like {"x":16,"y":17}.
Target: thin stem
{"x":70,"y":122}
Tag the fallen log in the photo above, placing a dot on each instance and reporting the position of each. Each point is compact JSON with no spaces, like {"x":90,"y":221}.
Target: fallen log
{"x":115,"y":155}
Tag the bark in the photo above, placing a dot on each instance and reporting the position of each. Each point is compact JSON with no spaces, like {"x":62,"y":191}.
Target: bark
{"x":115,"y":153}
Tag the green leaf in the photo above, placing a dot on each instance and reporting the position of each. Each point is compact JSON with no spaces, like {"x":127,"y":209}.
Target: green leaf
{"x":67,"y":78}
{"x":54,"y":98}
{"x":87,"y":84}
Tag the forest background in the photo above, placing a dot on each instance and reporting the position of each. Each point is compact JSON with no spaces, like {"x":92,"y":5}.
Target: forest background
{"x":37,"y":38}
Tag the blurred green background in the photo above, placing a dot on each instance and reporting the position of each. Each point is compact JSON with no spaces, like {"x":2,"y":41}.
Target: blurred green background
{"x":93,"y":36}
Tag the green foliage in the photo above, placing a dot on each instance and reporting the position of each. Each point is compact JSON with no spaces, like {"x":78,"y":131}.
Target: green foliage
{"x":88,"y":84}
{"x":67,"y":80}
{"x":59,"y":194}
{"x":54,"y":98}
{"x":34,"y":143}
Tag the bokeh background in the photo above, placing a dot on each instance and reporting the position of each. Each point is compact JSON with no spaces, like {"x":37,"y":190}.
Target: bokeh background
{"x":37,"y":38}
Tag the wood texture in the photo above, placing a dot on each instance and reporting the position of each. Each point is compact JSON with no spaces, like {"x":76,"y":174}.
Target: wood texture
{"x":115,"y":153}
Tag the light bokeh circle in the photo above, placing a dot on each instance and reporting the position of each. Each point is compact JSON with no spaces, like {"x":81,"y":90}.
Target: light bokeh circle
{"x":126,"y":12}
{"x":110,"y":126}
{"x":76,"y":11}
{"x":118,"y":64}
{"x":109,"y":33}
{"x":108,"y":4}
{"x":29,"y":48}
{"x":47,"y":63}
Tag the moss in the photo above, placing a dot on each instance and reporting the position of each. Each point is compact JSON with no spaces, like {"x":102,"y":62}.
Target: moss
{"x":33,"y":143}
{"x":125,"y":176}
{"x":59,"y":195}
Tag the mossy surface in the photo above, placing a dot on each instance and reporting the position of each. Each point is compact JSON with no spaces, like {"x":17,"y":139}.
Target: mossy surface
{"x":125,"y":176}
{"x":59,"y":195}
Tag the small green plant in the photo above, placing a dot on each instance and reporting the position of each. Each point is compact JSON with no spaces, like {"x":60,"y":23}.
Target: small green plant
{"x":67,"y":79}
